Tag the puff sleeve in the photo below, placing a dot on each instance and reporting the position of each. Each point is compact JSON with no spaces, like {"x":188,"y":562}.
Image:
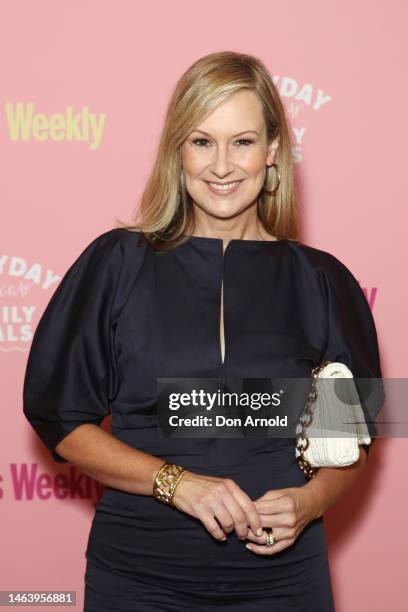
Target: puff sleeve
{"x":352,"y":335}
{"x":70,"y":375}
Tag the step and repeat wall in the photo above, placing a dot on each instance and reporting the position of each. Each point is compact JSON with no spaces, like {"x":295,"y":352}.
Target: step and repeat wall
{"x":84,"y":87}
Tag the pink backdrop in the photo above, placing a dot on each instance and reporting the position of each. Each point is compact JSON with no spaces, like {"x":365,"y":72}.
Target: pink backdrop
{"x":340,"y":68}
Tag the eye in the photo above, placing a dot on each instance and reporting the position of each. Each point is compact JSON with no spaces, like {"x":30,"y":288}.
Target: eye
{"x":197,"y":140}
{"x":245,"y":140}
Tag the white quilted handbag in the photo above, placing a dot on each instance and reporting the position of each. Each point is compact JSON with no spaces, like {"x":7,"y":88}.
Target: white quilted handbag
{"x":325,"y":414}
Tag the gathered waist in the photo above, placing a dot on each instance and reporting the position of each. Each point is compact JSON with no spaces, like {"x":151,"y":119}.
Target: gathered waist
{"x":164,"y":553}
{"x":140,"y":536}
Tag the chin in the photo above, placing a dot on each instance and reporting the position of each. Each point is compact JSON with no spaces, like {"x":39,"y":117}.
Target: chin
{"x":224,"y":211}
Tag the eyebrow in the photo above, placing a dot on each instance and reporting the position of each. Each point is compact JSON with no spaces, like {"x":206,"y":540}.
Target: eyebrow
{"x":244,"y":132}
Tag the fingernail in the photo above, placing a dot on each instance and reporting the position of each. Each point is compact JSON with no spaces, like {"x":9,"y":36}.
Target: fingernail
{"x":248,"y":546}
{"x":259,"y":531}
{"x":224,"y":538}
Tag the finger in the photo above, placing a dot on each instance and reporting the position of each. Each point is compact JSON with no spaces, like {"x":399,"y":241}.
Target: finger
{"x":280,"y":533}
{"x":284,"y":519}
{"x":272,"y":494}
{"x":211,"y":524}
{"x":238,"y":514}
{"x":221,"y":503}
{"x":261,"y":549}
{"x":277,"y":506}
{"x":251,"y":515}
{"x":222,"y":514}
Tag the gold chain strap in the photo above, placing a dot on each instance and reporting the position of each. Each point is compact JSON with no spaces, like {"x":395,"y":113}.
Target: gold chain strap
{"x":305,"y":419}
{"x":166,"y":481}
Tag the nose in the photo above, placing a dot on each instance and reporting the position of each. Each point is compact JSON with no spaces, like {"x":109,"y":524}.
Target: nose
{"x":222,"y":165}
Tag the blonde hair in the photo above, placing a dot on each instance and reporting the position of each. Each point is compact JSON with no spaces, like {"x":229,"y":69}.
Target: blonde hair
{"x":165,"y":214}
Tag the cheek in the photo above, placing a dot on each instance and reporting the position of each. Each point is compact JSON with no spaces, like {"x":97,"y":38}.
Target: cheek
{"x":191,"y":162}
{"x":255,"y":165}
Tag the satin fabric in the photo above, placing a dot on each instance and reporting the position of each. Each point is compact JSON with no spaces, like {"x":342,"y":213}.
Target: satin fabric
{"x":124,"y":315}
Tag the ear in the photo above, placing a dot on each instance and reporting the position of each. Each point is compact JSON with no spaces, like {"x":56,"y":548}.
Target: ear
{"x":272,"y":148}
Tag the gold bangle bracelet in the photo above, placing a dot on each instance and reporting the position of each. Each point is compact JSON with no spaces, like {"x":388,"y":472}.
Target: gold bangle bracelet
{"x":166,"y":481}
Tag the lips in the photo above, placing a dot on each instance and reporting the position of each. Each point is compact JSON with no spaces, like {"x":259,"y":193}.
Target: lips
{"x":223,"y":188}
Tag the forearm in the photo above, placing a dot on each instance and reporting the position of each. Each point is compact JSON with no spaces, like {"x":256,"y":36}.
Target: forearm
{"x":330,"y":484}
{"x":103,"y":457}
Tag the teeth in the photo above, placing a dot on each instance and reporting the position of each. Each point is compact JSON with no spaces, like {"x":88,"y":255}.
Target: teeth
{"x":224,"y":187}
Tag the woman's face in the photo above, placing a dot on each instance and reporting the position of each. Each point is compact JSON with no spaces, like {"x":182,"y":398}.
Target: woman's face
{"x":229,"y":150}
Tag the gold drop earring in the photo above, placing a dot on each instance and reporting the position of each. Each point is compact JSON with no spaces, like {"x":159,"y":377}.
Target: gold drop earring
{"x":265,"y":188}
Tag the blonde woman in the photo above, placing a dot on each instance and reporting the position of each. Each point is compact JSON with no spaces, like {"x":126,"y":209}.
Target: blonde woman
{"x":209,"y":280}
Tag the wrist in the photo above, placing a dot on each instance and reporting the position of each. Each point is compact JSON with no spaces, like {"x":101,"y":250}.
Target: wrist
{"x":314,"y":499}
{"x":166,"y":481}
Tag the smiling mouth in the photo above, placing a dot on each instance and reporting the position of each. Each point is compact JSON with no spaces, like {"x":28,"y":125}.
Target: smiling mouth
{"x":224,"y":187}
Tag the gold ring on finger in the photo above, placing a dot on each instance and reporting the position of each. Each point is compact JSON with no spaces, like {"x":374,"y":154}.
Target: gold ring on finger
{"x":270,"y":538}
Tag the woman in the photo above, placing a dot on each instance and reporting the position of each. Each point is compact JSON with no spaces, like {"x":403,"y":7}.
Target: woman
{"x":210,"y":281}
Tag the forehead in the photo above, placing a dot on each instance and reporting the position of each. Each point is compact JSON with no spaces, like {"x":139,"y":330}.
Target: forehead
{"x":241,"y":111}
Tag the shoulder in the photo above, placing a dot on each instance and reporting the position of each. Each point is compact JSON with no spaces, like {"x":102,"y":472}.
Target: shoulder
{"x":100,"y":277}
{"x":321,"y":261}
{"x":116,"y":247}
{"x":110,"y":258}
{"x":316,"y":257}
{"x":116,"y":259}
{"x":116,"y":238}
{"x":335,"y":279}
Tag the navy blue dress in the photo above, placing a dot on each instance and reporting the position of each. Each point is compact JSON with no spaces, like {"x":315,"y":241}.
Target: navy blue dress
{"x":124,"y":315}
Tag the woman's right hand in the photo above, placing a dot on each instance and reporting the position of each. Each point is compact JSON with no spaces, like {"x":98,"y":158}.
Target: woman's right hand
{"x":219,"y":503}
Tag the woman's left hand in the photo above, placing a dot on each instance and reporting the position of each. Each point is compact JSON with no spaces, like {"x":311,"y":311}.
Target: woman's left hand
{"x":287,"y":511}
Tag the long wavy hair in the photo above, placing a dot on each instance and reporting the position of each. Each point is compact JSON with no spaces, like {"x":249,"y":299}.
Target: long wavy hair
{"x":165,"y":214}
